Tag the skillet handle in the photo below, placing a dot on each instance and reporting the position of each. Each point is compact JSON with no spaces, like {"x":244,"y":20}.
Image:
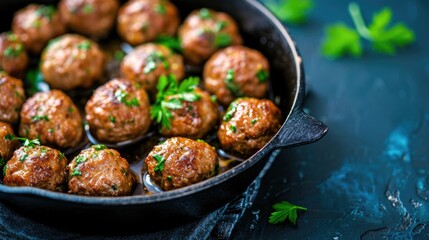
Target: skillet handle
{"x":300,"y":129}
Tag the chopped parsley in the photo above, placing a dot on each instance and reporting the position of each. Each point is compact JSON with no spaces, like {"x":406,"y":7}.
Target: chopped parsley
{"x":169,"y":178}
{"x":160,"y":112}
{"x":255,"y":120}
{"x":39,"y":118}
{"x":262,"y":75}
{"x":70,"y":109}
{"x":213,"y":98}
{"x":122,"y":97}
{"x":160,"y":162}
{"x":230,"y":85}
{"x":43,"y":150}
{"x":160,"y":9}
{"x":205,"y":13}
{"x":230,"y":112}
{"x":112,"y":119}
{"x":27,"y":142}
{"x":76,"y":172}
{"x":23,"y":157}
{"x":119,"y":55}
{"x":170,"y":42}
{"x":124,"y":171}
{"x":46,"y":11}
{"x":13,"y":51}
{"x":51,"y":130}
{"x":220,"y":26}
{"x":88,"y":8}
{"x":222,"y":40}
{"x":85,"y":45}
{"x":80,"y":159}
{"x":4,"y":170}
{"x":152,"y":62}
{"x":99,"y":147}
{"x":233,"y":128}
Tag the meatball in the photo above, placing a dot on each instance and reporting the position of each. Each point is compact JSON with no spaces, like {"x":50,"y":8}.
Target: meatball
{"x":93,"y":18}
{"x":205,"y":31}
{"x":7,"y":145}
{"x":248,"y":125}
{"x":180,"y":162}
{"x":236,"y":71}
{"x":195,"y":119}
{"x":12,"y":97}
{"x":36,"y":24}
{"x":141,"y":21}
{"x":53,"y":118}
{"x":150,"y":61}
{"x":36,"y":166}
{"x":98,"y":171}
{"x":118,"y":111}
{"x":13,"y":58}
{"x":72,"y":61}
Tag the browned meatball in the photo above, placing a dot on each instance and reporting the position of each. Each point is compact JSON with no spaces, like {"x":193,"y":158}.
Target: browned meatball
{"x":12,"y":97}
{"x":204,"y":32}
{"x":13,"y":58}
{"x":141,"y":21}
{"x":7,"y":145}
{"x":180,"y":162}
{"x":195,"y":119}
{"x":53,"y":118}
{"x":72,"y":61}
{"x":98,"y":171}
{"x":236,"y":71}
{"x":150,"y":61}
{"x":248,"y":125}
{"x":93,"y":18}
{"x":36,"y":24}
{"x":36,"y":166}
{"x":118,"y":111}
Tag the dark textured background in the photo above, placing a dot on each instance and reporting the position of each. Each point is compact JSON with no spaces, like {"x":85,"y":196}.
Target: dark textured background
{"x":368,"y":178}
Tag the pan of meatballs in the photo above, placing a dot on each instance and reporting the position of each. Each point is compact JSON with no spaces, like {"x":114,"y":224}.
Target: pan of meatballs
{"x":154,"y":110}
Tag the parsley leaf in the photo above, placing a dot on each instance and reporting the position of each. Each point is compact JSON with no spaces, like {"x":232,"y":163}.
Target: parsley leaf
{"x":285,"y":210}
{"x":341,"y":40}
{"x":291,"y":11}
{"x":152,"y":62}
{"x":170,"y":42}
{"x":170,"y":95}
{"x":27,"y":142}
{"x":122,"y":97}
{"x":160,"y":162}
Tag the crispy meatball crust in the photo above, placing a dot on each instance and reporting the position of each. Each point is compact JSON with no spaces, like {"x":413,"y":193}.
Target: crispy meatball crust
{"x":72,"y":61}
{"x":37,"y":166}
{"x":248,"y":125}
{"x":98,"y":171}
{"x":195,"y":119}
{"x":141,"y":21}
{"x":7,"y":147}
{"x":12,"y":97}
{"x":150,"y":61}
{"x":186,"y":162}
{"x":53,"y":118}
{"x":36,"y":24}
{"x":13,"y":57}
{"x":118,"y":111}
{"x":236,"y":71}
{"x":205,"y":31}
{"x":94,"y":18}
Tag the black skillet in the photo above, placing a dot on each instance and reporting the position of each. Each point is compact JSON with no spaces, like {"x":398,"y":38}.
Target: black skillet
{"x":260,"y":30}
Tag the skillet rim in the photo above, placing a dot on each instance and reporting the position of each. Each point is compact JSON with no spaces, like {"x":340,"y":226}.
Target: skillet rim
{"x":197,"y":187}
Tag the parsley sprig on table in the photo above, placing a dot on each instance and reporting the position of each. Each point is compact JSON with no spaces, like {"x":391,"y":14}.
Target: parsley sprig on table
{"x":167,"y":87}
{"x":285,"y":210}
{"x":342,"y":40}
{"x":291,"y":11}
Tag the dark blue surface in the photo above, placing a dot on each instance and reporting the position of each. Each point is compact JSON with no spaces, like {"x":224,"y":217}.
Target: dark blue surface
{"x":367,"y":178}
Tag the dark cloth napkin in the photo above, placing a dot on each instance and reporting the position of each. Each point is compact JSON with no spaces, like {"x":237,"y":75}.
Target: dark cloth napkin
{"x":216,"y":225}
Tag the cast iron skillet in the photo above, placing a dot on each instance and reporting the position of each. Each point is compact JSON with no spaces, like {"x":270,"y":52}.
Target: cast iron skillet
{"x":260,"y":30}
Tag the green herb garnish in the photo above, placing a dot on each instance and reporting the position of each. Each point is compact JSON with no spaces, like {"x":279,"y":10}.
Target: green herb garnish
{"x":70,"y":110}
{"x":230,"y":85}
{"x":119,"y":55}
{"x":169,"y":178}
{"x":112,"y":119}
{"x":39,"y":118}
{"x":13,"y":51}
{"x":76,"y":172}
{"x":80,"y":159}
{"x":46,"y":11}
{"x":168,"y":86}
{"x":262,"y":75}
{"x":170,"y":42}
{"x":160,"y":9}
{"x":122,"y":97}
{"x":220,"y":26}
{"x":233,"y":128}
{"x":342,"y":40}
{"x":160,"y":162}
{"x":152,"y":62}
{"x":27,"y":142}
{"x":230,"y":111}
{"x":99,"y":147}
{"x":285,"y":210}
{"x":205,"y":13}
{"x":255,"y":120}
{"x":4,"y":170}
{"x":88,"y":8}
{"x":85,"y":45}
{"x":124,"y":171}
{"x":23,"y":157}
{"x":291,"y":11}
{"x":222,"y":40}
